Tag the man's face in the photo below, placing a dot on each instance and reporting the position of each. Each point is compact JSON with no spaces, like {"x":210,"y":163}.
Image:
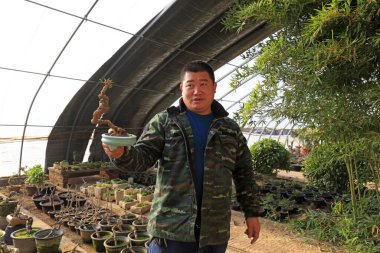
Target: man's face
{"x":198,"y":92}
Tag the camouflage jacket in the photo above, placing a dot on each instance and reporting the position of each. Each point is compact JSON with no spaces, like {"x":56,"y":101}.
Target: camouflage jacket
{"x":168,"y":139}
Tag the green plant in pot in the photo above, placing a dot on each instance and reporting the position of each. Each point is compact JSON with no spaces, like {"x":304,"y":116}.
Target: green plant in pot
{"x":138,"y":238}
{"x":48,"y":240}
{"x":268,"y":156}
{"x":8,"y":205}
{"x":34,"y":179}
{"x":98,"y":239}
{"x":13,"y":184}
{"x":115,"y":244}
{"x":23,"y":239}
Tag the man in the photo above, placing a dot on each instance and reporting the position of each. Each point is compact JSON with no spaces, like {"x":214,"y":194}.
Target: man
{"x":199,"y":152}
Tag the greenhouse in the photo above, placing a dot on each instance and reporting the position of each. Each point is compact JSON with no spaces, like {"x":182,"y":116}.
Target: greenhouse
{"x":291,"y":123}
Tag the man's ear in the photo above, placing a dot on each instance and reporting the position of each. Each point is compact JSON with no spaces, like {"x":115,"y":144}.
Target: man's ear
{"x":180,"y":87}
{"x":215,"y":85}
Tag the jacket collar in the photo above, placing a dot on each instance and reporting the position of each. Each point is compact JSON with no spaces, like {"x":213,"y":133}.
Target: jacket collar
{"x":216,"y":108}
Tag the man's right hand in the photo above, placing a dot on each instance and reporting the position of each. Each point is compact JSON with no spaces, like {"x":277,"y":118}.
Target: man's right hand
{"x":114,"y":152}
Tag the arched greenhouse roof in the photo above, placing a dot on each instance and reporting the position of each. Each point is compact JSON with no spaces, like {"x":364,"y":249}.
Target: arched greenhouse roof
{"x":57,"y":52}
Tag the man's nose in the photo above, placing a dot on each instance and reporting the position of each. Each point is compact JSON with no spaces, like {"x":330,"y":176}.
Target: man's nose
{"x":197,"y":89}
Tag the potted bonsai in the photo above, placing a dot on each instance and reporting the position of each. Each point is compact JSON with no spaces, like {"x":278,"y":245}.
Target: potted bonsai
{"x":23,"y":239}
{"x":48,"y":240}
{"x":116,"y":244}
{"x":98,"y":239}
{"x":140,"y":224}
{"x":13,"y":184}
{"x":138,"y":238}
{"x":8,"y":205}
{"x":34,"y":179}
{"x":118,"y":136}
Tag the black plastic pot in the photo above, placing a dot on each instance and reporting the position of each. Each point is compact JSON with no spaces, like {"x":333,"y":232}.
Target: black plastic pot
{"x":38,"y":198}
{"x":48,"y":205}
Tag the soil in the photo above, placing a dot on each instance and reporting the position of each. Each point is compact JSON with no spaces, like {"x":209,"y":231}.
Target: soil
{"x":274,"y":237}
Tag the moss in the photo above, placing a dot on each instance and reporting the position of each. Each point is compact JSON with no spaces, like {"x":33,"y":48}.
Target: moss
{"x":24,"y":233}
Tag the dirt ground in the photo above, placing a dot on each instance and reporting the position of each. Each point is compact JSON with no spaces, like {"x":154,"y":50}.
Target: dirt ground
{"x":274,"y":237}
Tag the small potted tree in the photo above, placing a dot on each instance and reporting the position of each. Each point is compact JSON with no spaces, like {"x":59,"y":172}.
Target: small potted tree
{"x":34,"y":179}
{"x":118,"y":136}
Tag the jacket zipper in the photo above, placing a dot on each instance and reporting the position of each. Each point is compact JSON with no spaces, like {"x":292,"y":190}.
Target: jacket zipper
{"x":188,"y":160}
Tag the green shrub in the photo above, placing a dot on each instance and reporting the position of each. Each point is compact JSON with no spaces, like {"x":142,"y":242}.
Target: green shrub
{"x":268,"y":156}
{"x":325,"y":168}
{"x":35,"y":175}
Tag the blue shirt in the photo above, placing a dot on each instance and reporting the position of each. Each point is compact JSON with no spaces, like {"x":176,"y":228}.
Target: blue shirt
{"x":200,"y":124}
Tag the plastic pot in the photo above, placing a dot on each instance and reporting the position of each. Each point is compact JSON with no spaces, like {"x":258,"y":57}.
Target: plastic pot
{"x":125,"y":230}
{"x":98,"y":242}
{"x":48,"y":205}
{"x":140,"y":224}
{"x":85,"y":233}
{"x":138,"y":238}
{"x":128,"y":218}
{"x":135,"y":249}
{"x":48,"y":241}
{"x":112,"y":247}
{"x":23,"y":241}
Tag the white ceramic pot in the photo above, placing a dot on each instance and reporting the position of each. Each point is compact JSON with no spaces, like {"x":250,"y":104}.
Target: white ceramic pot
{"x":114,"y":141}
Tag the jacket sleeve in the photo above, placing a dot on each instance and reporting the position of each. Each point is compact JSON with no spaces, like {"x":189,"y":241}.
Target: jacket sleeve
{"x":247,"y":191}
{"x":148,"y":148}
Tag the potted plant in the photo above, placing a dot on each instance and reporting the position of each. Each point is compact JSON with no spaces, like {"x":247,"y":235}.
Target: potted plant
{"x":98,"y":239}
{"x":122,"y":229}
{"x":138,"y":238}
{"x":86,"y":231}
{"x":23,"y":239}
{"x":13,"y":184}
{"x":141,"y":208}
{"x":140,"y":224}
{"x":116,"y":244}
{"x":131,"y":192}
{"x":8,"y":205}
{"x":34,"y":179}
{"x":48,"y":240}
{"x":118,"y":136}
{"x":146,"y":194}
{"x":127,"y":202}
{"x":128,"y":218}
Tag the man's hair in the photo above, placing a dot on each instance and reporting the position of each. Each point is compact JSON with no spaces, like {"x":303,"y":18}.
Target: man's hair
{"x":197,"y":66}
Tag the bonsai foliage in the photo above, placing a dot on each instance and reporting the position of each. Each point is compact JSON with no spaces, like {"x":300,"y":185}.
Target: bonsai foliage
{"x":268,"y":156}
{"x":103,"y":108}
{"x":321,"y":70}
{"x":35,"y":175}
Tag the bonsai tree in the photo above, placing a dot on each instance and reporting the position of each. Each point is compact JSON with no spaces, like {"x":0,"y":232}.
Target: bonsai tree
{"x":103,"y":108}
{"x":268,"y":156}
